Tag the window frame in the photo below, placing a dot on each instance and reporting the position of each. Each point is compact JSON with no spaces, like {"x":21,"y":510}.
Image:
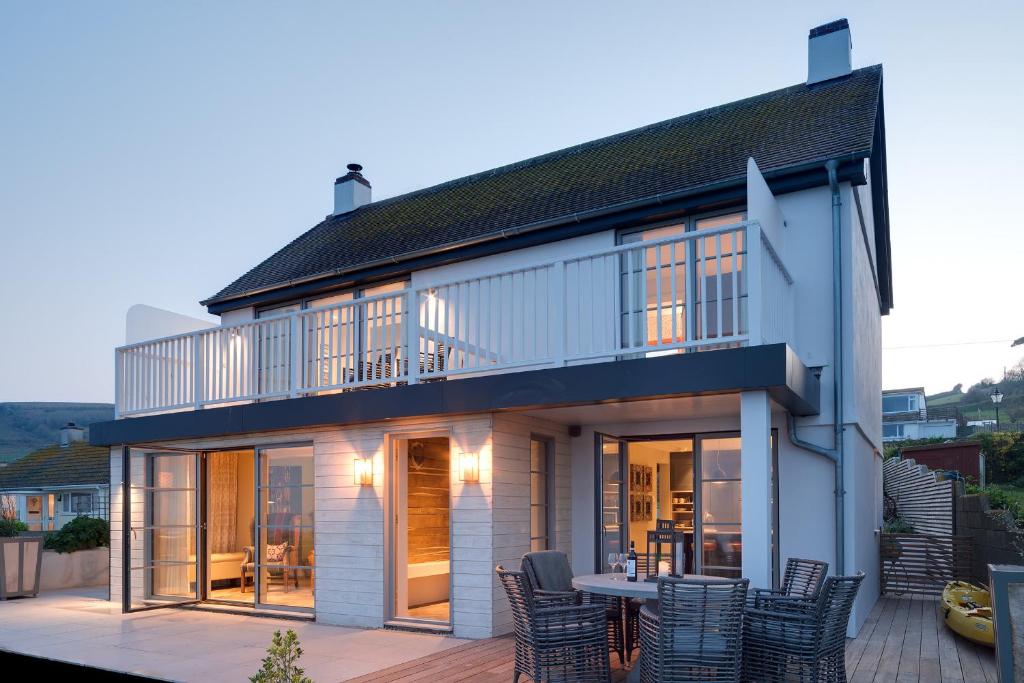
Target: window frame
{"x":68,"y":507}
{"x":689,"y":223}
{"x":548,"y":538}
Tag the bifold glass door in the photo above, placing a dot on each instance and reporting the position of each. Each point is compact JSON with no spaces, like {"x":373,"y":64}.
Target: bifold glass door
{"x":161,"y":546}
{"x":284,"y":573}
{"x":611,"y":512}
{"x":720,"y":506}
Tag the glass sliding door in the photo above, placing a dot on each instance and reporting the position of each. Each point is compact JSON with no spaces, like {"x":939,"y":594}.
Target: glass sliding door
{"x":284,"y":569}
{"x":720,"y":506}
{"x":161,"y":548}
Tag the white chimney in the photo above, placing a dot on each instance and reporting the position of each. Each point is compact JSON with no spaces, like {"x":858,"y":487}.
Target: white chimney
{"x":70,"y":433}
{"x":829,"y":49}
{"x":351,"y":190}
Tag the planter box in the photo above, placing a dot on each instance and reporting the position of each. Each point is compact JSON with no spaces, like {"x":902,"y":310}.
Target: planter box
{"x":20,"y":563}
{"x":72,"y":570}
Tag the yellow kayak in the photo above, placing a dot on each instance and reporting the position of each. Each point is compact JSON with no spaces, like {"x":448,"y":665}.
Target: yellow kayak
{"x":968,"y":611}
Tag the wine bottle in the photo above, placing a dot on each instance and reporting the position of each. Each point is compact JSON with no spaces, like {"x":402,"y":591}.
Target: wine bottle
{"x":631,"y":563}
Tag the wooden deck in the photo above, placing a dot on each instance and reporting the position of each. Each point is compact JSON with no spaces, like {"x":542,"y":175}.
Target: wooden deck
{"x":903,"y":640}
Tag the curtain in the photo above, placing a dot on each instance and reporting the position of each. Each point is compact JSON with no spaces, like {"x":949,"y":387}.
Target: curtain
{"x":222,"y":517}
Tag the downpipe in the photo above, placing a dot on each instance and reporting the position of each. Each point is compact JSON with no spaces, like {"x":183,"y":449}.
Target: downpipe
{"x":836,"y":453}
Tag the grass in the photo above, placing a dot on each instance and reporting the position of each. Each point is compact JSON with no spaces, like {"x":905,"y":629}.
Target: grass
{"x":1015,"y":492}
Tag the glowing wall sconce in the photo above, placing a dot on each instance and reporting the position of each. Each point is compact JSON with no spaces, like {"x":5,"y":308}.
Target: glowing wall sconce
{"x":362,"y":472}
{"x":469,"y":468}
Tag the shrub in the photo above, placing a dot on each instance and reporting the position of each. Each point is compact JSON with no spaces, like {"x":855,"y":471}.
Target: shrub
{"x":11,"y":527}
{"x":897,"y":525}
{"x":279,"y":664}
{"x":81,"y":533}
{"x":1001,"y":500}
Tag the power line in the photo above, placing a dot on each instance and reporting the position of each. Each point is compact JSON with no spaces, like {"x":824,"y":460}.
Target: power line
{"x":932,"y":346}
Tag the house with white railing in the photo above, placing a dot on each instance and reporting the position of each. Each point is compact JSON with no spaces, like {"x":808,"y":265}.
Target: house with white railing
{"x":679,"y":322}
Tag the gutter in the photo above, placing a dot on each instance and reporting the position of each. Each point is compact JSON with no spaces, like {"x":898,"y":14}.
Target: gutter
{"x":835,"y":454}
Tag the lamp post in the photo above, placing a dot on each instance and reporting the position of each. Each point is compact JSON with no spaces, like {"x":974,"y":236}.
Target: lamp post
{"x":997,"y":398}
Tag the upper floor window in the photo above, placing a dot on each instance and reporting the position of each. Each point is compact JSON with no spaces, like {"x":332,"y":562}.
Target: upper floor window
{"x":901,"y":403}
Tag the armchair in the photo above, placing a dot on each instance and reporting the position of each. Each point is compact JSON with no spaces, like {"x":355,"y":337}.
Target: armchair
{"x":563,"y":643}
{"x":800,"y":639}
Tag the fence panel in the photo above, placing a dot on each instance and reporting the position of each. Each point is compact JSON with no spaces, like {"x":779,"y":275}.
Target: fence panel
{"x":923,"y":563}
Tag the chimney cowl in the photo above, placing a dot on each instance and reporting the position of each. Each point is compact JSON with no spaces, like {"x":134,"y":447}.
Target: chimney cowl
{"x":829,"y":51}
{"x":351,"y":190}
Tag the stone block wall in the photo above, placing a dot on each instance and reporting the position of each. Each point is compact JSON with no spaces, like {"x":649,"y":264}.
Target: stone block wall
{"x":996,"y":539}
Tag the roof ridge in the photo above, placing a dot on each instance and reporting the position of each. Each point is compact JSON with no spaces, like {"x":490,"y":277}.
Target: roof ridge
{"x":597,"y":142}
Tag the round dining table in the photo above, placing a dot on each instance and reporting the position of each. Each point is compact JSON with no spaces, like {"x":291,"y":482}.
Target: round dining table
{"x":616,"y":585}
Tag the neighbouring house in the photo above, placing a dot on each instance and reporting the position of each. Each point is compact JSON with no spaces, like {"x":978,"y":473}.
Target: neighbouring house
{"x":680,"y":322}
{"x":964,"y":457}
{"x":905,"y":416}
{"x":51,"y":486}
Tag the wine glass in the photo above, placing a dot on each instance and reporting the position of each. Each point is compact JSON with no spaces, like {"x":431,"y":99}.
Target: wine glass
{"x":623,"y":558}
{"x":613,"y":562}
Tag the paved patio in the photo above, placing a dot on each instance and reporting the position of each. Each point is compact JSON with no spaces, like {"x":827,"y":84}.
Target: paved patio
{"x":82,"y":627}
{"x":903,"y":640}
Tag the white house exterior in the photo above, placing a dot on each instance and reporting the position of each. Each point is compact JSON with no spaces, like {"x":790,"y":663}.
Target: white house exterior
{"x":547,"y":355}
{"x":905,"y":416}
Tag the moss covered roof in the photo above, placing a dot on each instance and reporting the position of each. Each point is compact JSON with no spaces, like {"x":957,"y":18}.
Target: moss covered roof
{"x":781,"y":129}
{"x":76,"y":463}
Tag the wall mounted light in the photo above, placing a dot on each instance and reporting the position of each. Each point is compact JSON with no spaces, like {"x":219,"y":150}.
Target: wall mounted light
{"x":362,"y":472}
{"x":469,"y":468}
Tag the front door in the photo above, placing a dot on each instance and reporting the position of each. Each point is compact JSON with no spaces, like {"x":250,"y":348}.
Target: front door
{"x":162,"y":539}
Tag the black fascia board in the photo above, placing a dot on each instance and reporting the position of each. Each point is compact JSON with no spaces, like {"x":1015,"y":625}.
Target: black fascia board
{"x":734,"y":194}
{"x":774,"y":368}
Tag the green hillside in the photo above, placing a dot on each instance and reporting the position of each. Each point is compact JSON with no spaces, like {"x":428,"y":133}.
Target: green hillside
{"x":975,"y":403}
{"x":24,"y":427}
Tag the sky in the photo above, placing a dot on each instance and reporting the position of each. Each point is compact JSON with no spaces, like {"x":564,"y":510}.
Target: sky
{"x":153,"y":152}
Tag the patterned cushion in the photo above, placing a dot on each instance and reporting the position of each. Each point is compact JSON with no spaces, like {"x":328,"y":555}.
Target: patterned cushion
{"x":275,"y":553}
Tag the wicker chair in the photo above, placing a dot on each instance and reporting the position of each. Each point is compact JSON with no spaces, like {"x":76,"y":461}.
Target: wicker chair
{"x":550,"y":577}
{"x":800,"y":639}
{"x":563,"y":643}
{"x":695,"y":633}
{"x":803,"y":579}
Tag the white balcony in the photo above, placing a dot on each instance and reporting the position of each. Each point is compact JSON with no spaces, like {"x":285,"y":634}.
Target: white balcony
{"x":704,"y":290}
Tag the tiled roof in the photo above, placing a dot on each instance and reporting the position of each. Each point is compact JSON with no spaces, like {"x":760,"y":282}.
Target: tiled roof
{"x":77,"y":463}
{"x":792,"y":127}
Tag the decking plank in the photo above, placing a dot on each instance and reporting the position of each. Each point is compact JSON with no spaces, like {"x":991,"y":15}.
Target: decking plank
{"x":903,"y":639}
{"x":930,"y":669}
{"x":867,"y":666}
{"x":855,"y":647}
{"x":910,"y":653}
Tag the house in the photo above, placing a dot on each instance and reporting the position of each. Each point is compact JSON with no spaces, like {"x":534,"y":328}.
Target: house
{"x":681,"y":321}
{"x":51,"y":486}
{"x":905,"y":416}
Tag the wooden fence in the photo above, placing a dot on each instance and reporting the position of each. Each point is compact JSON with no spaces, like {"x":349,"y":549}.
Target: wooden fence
{"x":923,"y":563}
{"x":922,"y":498}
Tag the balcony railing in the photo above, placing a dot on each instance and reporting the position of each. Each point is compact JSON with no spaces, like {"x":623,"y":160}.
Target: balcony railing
{"x":707,"y":289}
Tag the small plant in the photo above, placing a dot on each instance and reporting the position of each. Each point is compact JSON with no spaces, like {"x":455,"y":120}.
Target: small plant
{"x":81,"y":533}
{"x":11,"y":527}
{"x":279,"y":664}
{"x":897,"y":525}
